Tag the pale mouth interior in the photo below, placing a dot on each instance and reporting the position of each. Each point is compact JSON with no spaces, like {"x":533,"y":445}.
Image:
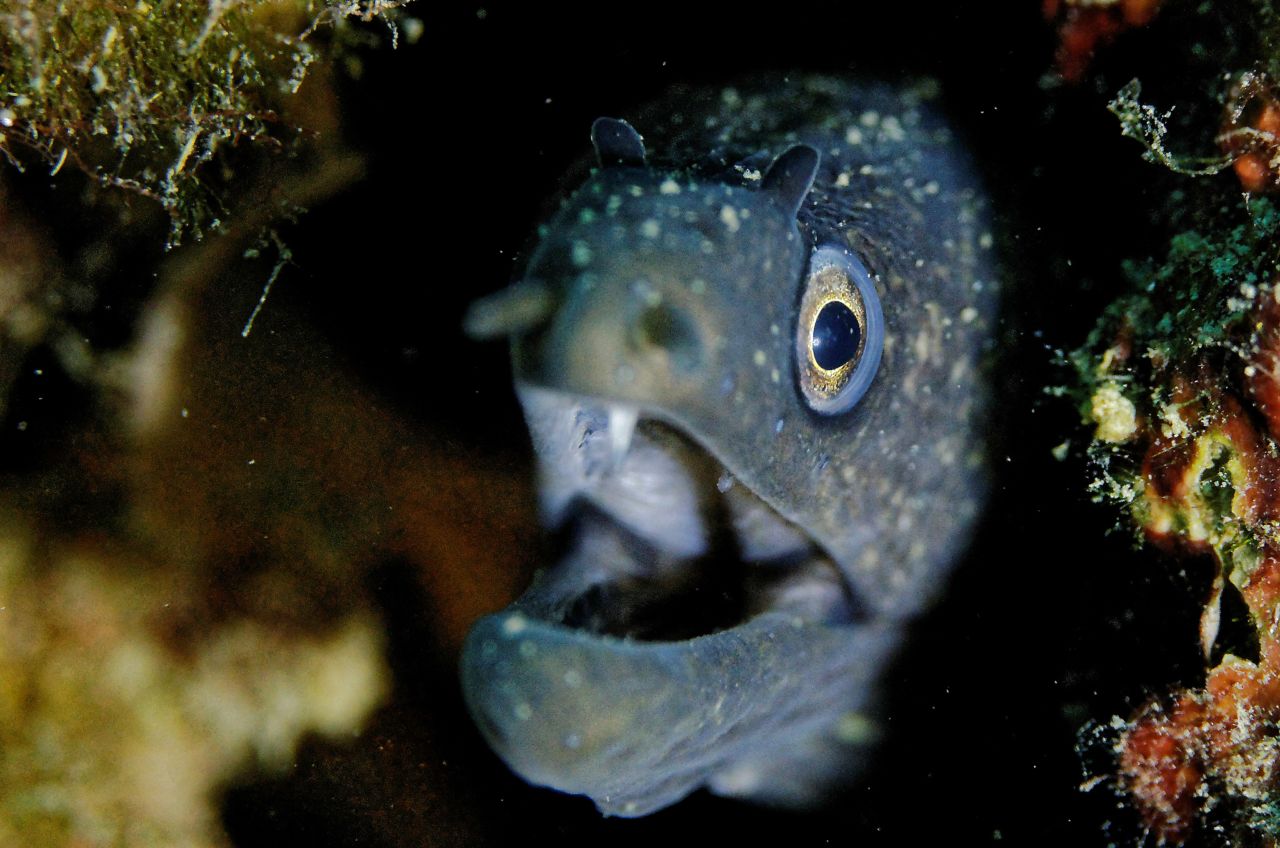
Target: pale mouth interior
{"x":655,"y":540}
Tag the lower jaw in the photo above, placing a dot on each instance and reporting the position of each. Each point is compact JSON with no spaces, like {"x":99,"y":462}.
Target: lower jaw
{"x":767,"y":708}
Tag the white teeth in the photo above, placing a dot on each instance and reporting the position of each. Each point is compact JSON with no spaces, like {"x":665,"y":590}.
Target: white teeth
{"x":622,"y":426}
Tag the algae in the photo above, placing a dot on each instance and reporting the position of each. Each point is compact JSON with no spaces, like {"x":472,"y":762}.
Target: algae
{"x":144,"y":96}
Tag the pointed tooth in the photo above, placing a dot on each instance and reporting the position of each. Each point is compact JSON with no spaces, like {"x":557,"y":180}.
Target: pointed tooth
{"x":725,"y":482}
{"x":622,"y":426}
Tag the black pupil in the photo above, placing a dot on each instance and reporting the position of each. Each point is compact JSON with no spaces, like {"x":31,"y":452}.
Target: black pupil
{"x":835,"y":336}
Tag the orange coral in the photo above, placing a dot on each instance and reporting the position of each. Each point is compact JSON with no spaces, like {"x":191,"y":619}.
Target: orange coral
{"x":1086,"y":25}
{"x":1251,"y":132}
{"x":1220,"y":741}
{"x":1165,"y":768}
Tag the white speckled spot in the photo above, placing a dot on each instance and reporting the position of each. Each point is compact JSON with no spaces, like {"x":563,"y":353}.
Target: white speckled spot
{"x":729,"y":217}
{"x":855,"y":729}
{"x":842,"y":181}
{"x":752,"y":174}
{"x":892,"y":129}
{"x":931,"y":187}
{"x":739,"y":780}
{"x":869,"y":118}
{"x":775,"y":376}
{"x":515,"y":623}
{"x":636,"y":191}
{"x":650,"y":228}
{"x":698,"y":285}
{"x":985,"y":241}
{"x":853,"y":135}
{"x":572,"y":741}
{"x":774,"y":329}
{"x":572,"y":678}
{"x":523,"y":711}
{"x":669,"y":186}
{"x":582,"y":255}
{"x":759,"y":358}
{"x":968,"y":315}
{"x":945,"y":453}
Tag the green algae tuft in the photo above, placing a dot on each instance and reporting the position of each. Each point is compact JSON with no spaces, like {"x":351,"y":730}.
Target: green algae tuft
{"x":141,"y":96}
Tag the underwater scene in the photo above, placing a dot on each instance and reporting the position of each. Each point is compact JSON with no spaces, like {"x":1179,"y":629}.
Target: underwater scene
{"x":462,"y":424}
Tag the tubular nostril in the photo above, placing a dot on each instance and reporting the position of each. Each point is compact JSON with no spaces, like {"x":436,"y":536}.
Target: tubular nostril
{"x":671,"y":330}
{"x":516,"y":309}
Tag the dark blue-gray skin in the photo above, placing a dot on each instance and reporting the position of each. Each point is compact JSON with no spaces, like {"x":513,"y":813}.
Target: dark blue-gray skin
{"x":749,"y":349}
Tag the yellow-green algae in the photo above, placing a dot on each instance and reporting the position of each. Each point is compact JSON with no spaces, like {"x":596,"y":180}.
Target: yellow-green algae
{"x":1179,"y":440}
{"x":1187,"y":317}
{"x":1184,"y":312}
{"x":141,"y":94}
{"x":111,"y":737}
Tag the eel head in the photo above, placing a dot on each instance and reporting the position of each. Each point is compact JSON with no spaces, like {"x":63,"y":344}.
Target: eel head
{"x":700,"y":383}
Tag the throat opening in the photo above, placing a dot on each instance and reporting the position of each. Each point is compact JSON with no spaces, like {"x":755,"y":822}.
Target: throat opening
{"x":610,"y":581}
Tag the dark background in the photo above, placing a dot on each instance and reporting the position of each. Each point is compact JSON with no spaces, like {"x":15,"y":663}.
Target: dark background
{"x":1054,"y":623}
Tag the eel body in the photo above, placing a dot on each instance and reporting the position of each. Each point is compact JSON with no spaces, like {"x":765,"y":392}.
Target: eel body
{"x":749,"y":349}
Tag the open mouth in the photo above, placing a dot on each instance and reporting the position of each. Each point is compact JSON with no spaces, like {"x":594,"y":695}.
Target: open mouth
{"x":688,"y":635}
{"x":659,"y":542}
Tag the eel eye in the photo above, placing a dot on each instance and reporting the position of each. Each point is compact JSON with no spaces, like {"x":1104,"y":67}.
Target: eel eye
{"x":839,"y":334}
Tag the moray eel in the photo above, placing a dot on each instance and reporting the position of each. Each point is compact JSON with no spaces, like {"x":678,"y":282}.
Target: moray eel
{"x":749,"y":351}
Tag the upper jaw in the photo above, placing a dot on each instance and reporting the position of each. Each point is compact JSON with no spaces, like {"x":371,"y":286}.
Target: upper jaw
{"x":649,"y":512}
